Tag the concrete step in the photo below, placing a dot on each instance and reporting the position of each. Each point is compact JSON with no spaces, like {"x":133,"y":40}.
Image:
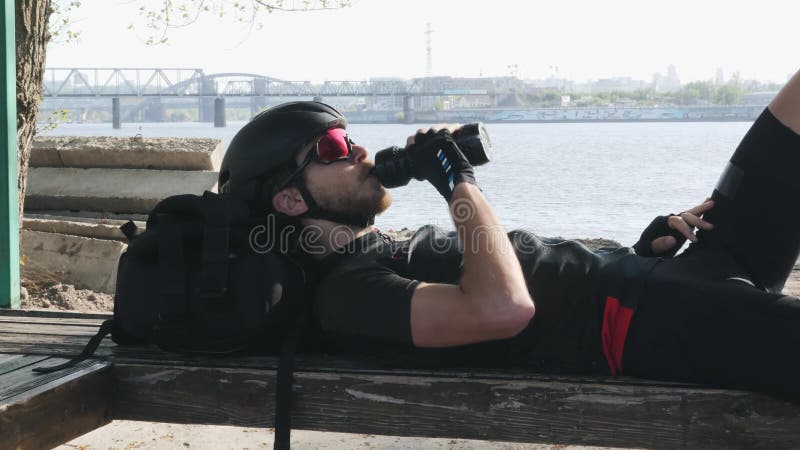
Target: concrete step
{"x":84,"y":262}
{"x":110,"y":190}
{"x":127,"y":153}
{"x":78,"y":226}
{"x":85,"y":216}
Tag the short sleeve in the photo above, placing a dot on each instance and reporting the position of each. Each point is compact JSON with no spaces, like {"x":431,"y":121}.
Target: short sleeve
{"x":370,"y":302}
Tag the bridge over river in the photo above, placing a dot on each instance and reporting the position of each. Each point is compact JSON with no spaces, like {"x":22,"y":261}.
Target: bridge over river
{"x":160,"y":85}
{"x":150,"y":92}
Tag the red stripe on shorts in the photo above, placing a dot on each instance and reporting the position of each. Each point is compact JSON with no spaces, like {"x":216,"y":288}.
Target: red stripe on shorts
{"x":616,"y":321}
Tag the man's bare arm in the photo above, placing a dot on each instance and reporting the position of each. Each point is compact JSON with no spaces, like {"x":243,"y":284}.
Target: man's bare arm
{"x":492,"y":301}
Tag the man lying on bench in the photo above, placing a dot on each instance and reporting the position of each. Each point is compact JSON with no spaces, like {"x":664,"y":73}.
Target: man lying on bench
{"x":712,"y":314}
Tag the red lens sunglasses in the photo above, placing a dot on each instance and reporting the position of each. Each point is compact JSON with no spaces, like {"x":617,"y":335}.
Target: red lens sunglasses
{"x":332,"y":147}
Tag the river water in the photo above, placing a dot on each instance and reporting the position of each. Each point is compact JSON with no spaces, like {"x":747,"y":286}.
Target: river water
{"x":574,"y":180}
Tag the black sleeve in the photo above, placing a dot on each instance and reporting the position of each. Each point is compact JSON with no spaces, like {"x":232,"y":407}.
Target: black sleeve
{"x":658,"y":227}
{"x":370,"y":302}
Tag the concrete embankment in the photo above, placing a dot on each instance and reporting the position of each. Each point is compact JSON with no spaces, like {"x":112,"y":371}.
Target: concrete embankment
{"x":121,"y":175}
{"x":127,"y":153}
{"x":112,"y":190}
{"x":737,"y":113}
{"x":81,"y":189}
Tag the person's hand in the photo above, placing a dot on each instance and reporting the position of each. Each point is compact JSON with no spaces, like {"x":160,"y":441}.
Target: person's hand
{"x":449,"y":127}
{"x":666,"y":234}
{"x":436,"y":157}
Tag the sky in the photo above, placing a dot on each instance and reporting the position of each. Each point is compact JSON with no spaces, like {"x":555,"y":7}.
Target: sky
{"x":581,"y":40}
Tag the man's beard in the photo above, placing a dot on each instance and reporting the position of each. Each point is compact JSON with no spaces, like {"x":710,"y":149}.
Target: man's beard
{"x":363,"y":200}
{"x":369,"y":203}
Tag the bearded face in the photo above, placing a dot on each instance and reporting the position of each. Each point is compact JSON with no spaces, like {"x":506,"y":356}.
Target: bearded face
{"x":347,"y":187}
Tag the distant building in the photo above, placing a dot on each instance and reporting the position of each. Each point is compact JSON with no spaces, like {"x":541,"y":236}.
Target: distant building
{"x":672,"y":73}
{"x":720,"y":78}
{"x":669,"y":82}
{"x":618,"y":84}
{"x":460,"y":92}
{"x":550,"y":83}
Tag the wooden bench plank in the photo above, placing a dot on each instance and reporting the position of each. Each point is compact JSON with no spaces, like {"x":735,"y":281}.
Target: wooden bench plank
{"x":53,"y":314}
{"x":55,"y":329}
{"x":44,"y":410}
{"x":90,"y":323}
{"x":395,"y":397}
{"x":24,"y":379}
{"x":42,"y":344}
{"x":155,"y":357}
{"x":474,"y":408}
{"x":10,"y":363}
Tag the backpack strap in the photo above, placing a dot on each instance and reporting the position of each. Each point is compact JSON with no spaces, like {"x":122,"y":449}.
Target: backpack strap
{"x":284,"y":393}
{"x":171,"y":266}
{"x":91,"y":347}
{"x":216,"y":234}
{"x":283,"y":389}
{"x":129,"y":230}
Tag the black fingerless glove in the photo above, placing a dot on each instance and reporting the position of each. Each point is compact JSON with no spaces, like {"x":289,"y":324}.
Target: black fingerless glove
{"x":436,"y":157}
{"x":659,"y":227}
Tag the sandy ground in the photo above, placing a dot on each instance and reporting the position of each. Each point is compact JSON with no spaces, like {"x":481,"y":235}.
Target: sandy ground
{"x":126,"y":435}
{"x":41,"y":294}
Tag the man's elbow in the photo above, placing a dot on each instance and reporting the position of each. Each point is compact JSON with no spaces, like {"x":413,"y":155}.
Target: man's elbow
{"x":524,"y":315}
{"x":512,"y":319}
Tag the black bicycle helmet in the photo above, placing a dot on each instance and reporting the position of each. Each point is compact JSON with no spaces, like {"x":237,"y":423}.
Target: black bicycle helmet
{"x":270,"y":141}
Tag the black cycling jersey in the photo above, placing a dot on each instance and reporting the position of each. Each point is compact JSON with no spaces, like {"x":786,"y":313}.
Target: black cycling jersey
{"x":364,"y":299}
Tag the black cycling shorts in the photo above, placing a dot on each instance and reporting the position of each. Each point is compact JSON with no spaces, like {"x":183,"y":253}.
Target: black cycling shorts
{"x":756,"y":215}
{"x":700,"y":319}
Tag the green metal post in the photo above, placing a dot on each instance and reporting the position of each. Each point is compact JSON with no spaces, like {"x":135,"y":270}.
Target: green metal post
{"x":9,"y":216}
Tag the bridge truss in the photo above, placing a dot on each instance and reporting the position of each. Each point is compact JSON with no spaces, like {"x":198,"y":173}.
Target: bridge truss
{"x":194,"y":82}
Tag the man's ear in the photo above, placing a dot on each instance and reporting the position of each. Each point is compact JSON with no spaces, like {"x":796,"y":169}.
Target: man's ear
{"x":289,"y":201}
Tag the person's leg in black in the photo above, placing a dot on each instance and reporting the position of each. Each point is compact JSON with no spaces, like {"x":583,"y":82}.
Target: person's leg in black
{"x":757,"y":200}
{"x":694,"y":324}
{"x":697,"y":322}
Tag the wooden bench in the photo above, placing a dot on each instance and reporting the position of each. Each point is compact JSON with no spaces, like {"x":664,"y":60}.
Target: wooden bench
{"x":335,"y":394}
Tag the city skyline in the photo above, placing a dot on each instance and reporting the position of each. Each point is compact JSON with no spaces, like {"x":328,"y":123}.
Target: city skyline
{"x":575,"y":40}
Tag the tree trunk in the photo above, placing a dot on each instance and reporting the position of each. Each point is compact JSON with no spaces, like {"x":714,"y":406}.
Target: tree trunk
{"x":32,"y":34}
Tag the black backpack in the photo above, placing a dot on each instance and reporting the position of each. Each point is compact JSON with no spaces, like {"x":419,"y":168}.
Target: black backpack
{"x":203,"y":278}
{"x":194,"y":282}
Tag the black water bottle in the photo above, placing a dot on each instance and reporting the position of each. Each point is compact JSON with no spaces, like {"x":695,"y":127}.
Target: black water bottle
{"x":394,"y":168}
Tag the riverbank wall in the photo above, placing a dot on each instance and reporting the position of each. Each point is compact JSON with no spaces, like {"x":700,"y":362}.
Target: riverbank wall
{"x":564,"y":115}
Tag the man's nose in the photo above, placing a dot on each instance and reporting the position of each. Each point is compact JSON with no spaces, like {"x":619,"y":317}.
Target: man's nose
{"x":359,"y":154}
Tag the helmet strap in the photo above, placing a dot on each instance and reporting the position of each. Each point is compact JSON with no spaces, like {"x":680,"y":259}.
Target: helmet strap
{"x":317,"y":212}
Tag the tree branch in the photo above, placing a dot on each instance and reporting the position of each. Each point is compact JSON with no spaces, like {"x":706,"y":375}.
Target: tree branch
{"x":277,"y":6}
{"x":162,"y":18}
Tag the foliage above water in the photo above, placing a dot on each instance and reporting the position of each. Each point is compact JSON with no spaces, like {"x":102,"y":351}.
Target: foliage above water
{"x":694,"y":93}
